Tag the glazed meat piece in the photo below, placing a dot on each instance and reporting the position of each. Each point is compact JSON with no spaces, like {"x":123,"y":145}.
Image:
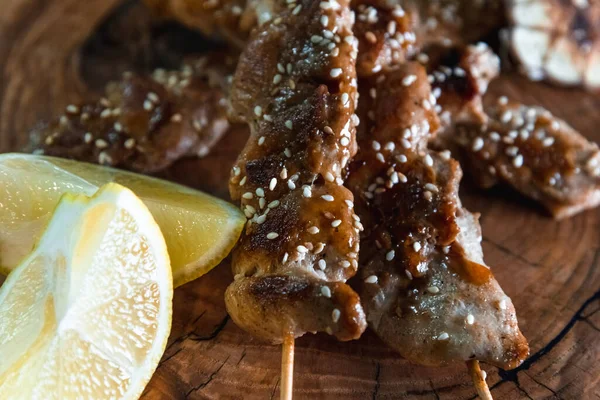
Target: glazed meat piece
{"x":232,"y":19}
{"x":536,"y":153}
{"x":425,"y":287}
{"x":455,"y":22}
{"x":386,"y":36}
{"x":525,"y":147}
{"x":296,"y":88}
{"x":144,"y":123}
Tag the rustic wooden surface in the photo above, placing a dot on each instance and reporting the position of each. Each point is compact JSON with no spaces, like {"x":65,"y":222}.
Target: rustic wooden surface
{"x":53,"y":52}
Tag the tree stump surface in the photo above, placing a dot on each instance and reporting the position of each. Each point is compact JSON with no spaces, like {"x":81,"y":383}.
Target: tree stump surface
{"x":55,"y":52}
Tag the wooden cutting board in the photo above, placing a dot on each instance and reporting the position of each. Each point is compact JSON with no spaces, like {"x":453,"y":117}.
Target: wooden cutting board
{"x":54,"y":52}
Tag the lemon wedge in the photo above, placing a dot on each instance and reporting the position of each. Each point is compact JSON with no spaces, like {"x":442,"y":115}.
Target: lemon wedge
{"x":87,"y":314}
{"x":200,"y":230}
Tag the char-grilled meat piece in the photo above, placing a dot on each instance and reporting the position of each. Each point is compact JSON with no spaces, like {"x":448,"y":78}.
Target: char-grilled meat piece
{"x":144,"y":123}
{"x":524,"y":147}
{"x":295,"y":86}
{"x":425,"y":287}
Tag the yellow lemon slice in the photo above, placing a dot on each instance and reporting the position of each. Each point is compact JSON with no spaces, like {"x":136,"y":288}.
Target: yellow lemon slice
{"x":87,"y":313}
{"x":200,"y":230}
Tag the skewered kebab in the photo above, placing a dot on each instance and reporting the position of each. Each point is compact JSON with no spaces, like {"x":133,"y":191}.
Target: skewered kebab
{"x":426,"y":289}
{"x":295,"y":86}
{"x":145,"y":123}
{"x":525,"y":147}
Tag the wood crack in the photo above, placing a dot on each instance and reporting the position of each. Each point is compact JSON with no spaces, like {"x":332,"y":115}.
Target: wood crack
{"x":377,"y":383}
{"x":206,"y":382}
{"x":508,"y":251}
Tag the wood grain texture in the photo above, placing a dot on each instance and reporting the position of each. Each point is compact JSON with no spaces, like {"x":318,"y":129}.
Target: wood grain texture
{"x":51,"y":54}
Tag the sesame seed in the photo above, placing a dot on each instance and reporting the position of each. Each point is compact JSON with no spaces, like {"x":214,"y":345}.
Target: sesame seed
{"x":495,"y":136}
{"x":335,"y":315}
{"x":287,"y":152}
{"x":478,"y":144}
{"x":324,"y":20}
{"x":376,"y":145}
{"x":258,"y":111}
{"x":313,"y":230}
{"x":502,"y":304}
{"x":483,"y":375}
{"x":325,"y":291}
{"x":506,"y":116}
{"x":261,"y":219}
{"x":272,"y":184}
{"x":73,"y":109}
{"x":272,"y":235}
{"x":371,"y":279}
{"x":306,"y":191}
{"x":250,"y":209}
{"x":176,"y":118}
{"x":329,"y":177}
{"x":402,"y":158}
{"x":345,"y":264}
{"x":261,"y":140}
{"x":428,"y":160}
{"x":268,"y":118}
{"x":409,"y":80}
{"x":416,"y":246}
{"x":503,"y":100}
{"x":106,"y":113}
{"x":443,"y":336}
{"x":129,"y":143}
{"x":277,"y":79}
{"x":389,"y":256}
{"x":402,"y":177}
{"x":243,"y":181}
{"x":518,"y":161}
{"x":433,"y":289}
{"x":118,"y":127}
{"x":153,"y":97}
{"x":405,"y":143}
{"x":260,"y":192}
{"x":301,"y":249}
{"x":336,"y":223}
{"x":291,"y":184}
{"x":349,"y":203}
{"x":408,"y":274}
{"x":289,"y":124}
{"x":327,"y":197}
{"x":345,"y":98}
{"x":322,"y":264}
{"x":104,"y":158}
{"x":470,"y":319}
{"x":328,"y":130}
{"x":335,"y":72}
{"x":285,"y":258}
{"x":297,"y":9}
{"x":148,"y":105}
{"x":547,"y":142}
{"x":247,"y":195}
{"x":390,"y":146}
{"x":380,"y":157}
{"x":273,"y":204}
{"x":101,"y":143}
{"x":87,"y":138}
{"x":431,"y":187}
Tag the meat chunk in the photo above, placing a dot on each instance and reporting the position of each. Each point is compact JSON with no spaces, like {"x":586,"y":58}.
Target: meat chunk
{"x":425,"y":287}
{"x":536,"y":153}
{"x":524,"y":147}
{"x":232,"y":19}
{"x":295,"y":86}
{"x":144,"y":123}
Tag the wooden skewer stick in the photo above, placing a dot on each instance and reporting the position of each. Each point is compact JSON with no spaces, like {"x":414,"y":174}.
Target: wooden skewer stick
{"x":287,"y":367}
{"x":478,"y":380}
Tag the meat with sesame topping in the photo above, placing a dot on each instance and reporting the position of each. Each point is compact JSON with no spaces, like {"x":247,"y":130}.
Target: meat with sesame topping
{"x":424,"y":250}
{"x":187,"y":117}
{"x":308,"y":141}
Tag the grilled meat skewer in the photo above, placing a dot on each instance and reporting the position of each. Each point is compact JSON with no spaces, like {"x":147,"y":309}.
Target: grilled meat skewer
{"x":295,"y":86}
{"x":426,"y":289}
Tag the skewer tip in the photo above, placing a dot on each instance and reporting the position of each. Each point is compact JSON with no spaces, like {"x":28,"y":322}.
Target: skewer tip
{"x":478,"y":380}
{"x":287,"y":367}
